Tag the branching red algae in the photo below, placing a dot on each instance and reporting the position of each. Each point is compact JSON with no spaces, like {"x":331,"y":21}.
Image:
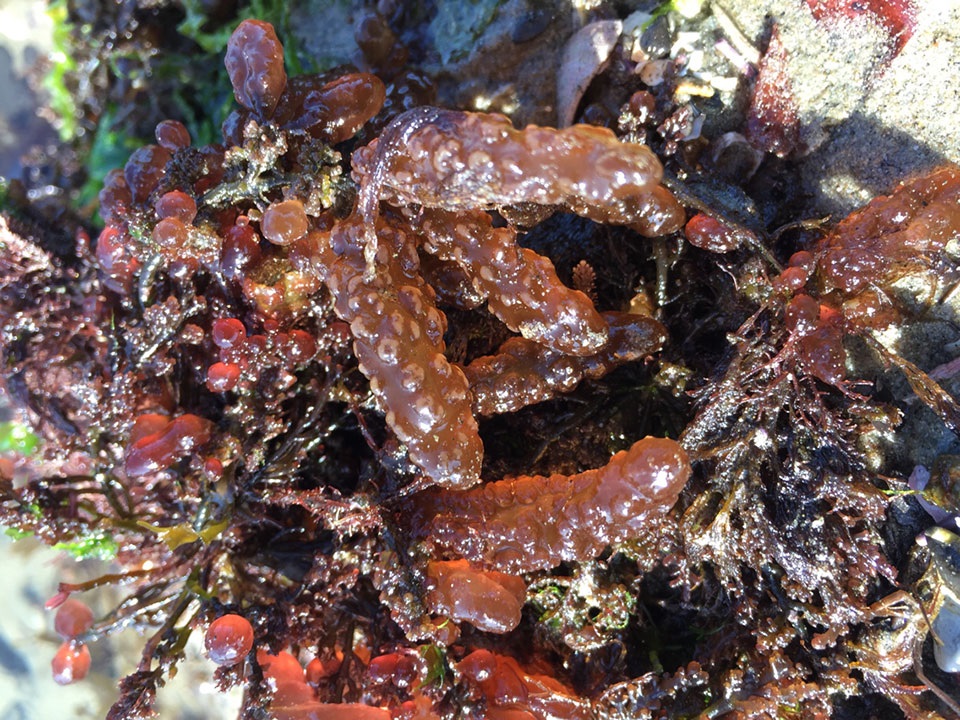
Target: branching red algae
{"x":893,"y":236}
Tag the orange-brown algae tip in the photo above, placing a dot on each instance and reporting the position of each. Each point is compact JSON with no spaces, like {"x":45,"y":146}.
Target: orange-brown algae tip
{"x":531,"y":523}
{"x":489,"y":600}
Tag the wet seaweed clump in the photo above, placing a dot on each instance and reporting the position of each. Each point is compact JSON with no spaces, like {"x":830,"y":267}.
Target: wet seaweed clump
{"x":323,"y":388}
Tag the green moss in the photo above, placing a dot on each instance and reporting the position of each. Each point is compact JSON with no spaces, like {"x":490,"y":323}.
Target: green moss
{"x":61,"y":67}
{"x":15,"y":437}
{"x":97,"y":545}
{"x":16,"y":533}
{"x":436,"y":662}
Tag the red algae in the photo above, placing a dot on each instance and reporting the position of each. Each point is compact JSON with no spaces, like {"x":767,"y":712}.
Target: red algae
{"x":158,"y":447}
{"x":506,"y":686}
{"x":240,"y":251}
{"x":284,"y":222}
{"x":329,"y":711}
{"x":489,"y":600}
{"x":228,"y":333}
{"x":520,"y":286}
{"x":398,"y":340}
{"x":172,"y":135}
{"x":144,"y":170}
{"x":229,"y":263}
{"x":118,"y":266}
{"x":71,"y":663}
{"x":523,"y":372}
{"x":402,"y":669}
{"x":269,"y":380}
{"x":176,"y":204}
{"x":773,"y":120}
{"x":228,"y":639}
{"x":254,"y":61}
{"x":73,"y":618}
{"x":708,"y":233}
{"x":283,"y":667}
{"x":891,"y":237}
{"x":115,"y":197}
{"x":222,"y":377}
{"x":541,"y":165}
{"x":529,"y":523}
{"x":336,"y":111}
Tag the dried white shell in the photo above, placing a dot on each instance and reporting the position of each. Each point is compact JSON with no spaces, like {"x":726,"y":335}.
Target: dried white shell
{"x":585,"y":55}
{"x":944,"y":549}
{"x":946,"y":626}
